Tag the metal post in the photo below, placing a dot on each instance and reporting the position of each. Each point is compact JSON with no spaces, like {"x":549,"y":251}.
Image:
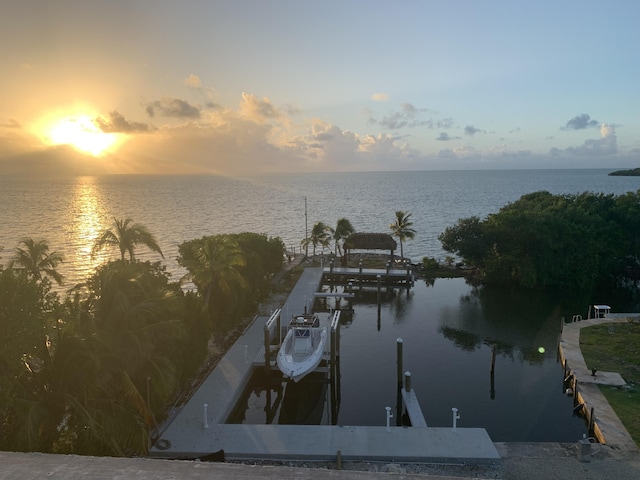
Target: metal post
{"x":389,"y":417}
{"x":204,"y":411}
{"x":399,"y":345}
{"x":267,"y":350}
{"x":306,"y":229}
{"x":456,"y":417}
{"x":407,"y":381}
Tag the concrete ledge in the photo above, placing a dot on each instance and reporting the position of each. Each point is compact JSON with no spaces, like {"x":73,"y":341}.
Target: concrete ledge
{"x":321,"y":443}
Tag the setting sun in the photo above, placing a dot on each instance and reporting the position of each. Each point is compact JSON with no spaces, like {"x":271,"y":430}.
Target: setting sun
{"x":81,"y":133}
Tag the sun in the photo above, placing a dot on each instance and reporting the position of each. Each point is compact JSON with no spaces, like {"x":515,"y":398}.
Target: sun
{"x":82,"y":133}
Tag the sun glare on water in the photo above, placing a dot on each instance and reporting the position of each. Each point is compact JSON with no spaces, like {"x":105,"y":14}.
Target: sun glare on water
{"x":81,"y":133}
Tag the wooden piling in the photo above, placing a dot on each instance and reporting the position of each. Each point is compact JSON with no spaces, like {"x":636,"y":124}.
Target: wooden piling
{"x":407,"y":381}
{"x":592,"y":421}
{"x":399,"y":347}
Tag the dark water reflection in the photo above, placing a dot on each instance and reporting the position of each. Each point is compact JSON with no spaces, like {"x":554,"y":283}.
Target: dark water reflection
{"x":451,"y":331}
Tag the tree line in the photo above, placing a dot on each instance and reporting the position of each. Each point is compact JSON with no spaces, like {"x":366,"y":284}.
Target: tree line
{"x":93,"y":371}
{"x":322,"y":234}
{"x":553,"y":241}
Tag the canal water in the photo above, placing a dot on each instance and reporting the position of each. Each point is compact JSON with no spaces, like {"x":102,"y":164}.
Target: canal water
{"x":451,"y":331}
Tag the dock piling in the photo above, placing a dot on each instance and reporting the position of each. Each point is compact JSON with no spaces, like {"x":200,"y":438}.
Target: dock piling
{"x":456,"y":417}
{"x":204,"y":413}
{"x":399,"y":346}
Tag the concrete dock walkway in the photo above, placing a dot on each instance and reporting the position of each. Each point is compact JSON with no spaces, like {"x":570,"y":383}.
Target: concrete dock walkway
{"x":198,"y":429}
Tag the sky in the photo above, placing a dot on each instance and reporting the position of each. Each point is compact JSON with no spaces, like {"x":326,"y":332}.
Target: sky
{"x":250,"y":86}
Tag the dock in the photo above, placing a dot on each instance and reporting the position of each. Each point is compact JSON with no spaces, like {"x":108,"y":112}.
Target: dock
{"x":198,"y":429}
{"x":359,"y":276}
{"x":606,"y":425}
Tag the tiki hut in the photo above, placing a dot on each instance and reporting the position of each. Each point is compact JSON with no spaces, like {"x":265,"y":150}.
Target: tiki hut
{"x":369,"y":241}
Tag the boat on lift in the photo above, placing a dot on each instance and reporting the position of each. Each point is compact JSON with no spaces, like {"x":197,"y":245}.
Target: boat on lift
{"x":303,"y":346}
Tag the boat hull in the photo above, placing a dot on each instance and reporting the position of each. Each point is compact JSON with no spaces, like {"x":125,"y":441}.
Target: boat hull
{"x":301,"y":351}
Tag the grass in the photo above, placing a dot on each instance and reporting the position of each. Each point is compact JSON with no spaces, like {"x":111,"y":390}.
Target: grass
{"x":616,"y":348}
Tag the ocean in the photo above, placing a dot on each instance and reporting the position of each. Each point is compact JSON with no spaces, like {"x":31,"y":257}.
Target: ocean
{"x":71,"y":212}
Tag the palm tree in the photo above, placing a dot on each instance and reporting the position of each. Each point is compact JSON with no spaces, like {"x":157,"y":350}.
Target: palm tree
{"x":35,"y":258}
{"x":401,"y":228}
{"x":126,"y":235}
{"x":341,"y":232}
{"x":213,"y":263}
{"x":319,"y":236}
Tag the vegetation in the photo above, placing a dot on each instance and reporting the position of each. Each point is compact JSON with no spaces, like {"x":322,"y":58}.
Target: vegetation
{"x":126,"y":235}
{"x":320,"y":236}
{"x":93,"y":372}
{"x":616,"y":348}
{"x":402,"y":228}
{"x":341,"y":233}
{"x":35,"y":258}
{"x":635,"y":172}
{"x":549,"y":241}
{"x":231,"y":272}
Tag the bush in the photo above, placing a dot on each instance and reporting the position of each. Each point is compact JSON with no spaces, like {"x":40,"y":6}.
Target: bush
{"x":430,"y":263}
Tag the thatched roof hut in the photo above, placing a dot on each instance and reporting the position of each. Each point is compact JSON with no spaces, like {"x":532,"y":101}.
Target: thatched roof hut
{"x":370,"y":241}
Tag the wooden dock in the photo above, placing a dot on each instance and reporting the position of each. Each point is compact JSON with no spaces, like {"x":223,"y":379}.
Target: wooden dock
{"x":358,"y":276}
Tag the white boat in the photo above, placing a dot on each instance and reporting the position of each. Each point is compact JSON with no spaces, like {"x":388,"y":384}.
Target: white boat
{"x":303,"y":346}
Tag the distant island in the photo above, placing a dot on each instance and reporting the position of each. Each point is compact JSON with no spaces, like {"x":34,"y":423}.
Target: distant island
{"x":626,"y":173}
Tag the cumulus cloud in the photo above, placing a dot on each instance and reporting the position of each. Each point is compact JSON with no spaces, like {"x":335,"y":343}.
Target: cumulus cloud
{"x":380,"y":97}
{"x":580,"y":122}
{"x":258,"y":109}
{"x":172,"y":107}
{"x":606,"y":145}
{"x":116,"y":123}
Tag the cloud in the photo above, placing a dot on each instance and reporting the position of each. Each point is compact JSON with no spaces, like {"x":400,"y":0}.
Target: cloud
{"x":380,"y":97}
{"x":443,"y":137}
{"x":11,"y":123}
{"x":471,"y":130}
{"x":118,"y":124}
{"x":55,"y":160}
{"x":258,"y":110}
{"x":193,"y":81}
{"x":580,"y":122}
{"x":172,"y":107}
{"x":408,"y":116}
{"x":444,"y":123}
{"x":606,"y":145}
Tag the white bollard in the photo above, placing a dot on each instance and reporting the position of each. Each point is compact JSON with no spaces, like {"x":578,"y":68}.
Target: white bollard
{"x":389,"y":417}
{"x":456,"y":417}
{"x":204,"y":410}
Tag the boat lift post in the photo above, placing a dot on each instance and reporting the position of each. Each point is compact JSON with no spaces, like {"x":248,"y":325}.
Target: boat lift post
{"x":269,"y":334}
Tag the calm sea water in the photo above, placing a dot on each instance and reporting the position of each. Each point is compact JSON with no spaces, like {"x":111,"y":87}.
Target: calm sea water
{"x":450,"y":329}
{"x":70,"y":212}
{"x":449,"y":333}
